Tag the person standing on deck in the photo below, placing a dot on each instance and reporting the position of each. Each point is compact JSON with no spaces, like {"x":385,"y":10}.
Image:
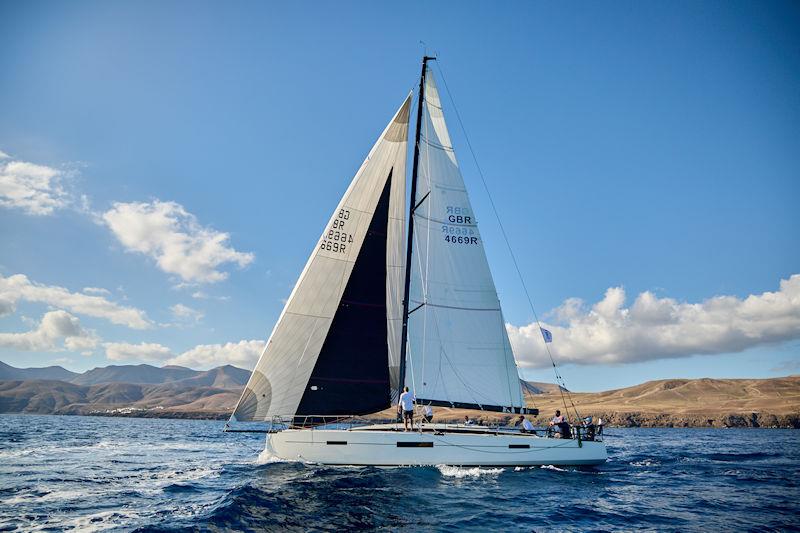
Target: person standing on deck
{"x":406,"y":407}
{"x":427,"y":414}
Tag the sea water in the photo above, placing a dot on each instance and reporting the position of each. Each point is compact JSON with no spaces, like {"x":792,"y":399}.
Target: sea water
{"x":91,"y":473}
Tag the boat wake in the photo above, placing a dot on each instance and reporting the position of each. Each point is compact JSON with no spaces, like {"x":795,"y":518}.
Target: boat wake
{"x":552,"y":467}
{"x":267,"y":457}
{"x":460,"y":472}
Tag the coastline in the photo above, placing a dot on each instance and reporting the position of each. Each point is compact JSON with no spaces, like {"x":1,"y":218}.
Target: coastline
{"x":611,"y":420}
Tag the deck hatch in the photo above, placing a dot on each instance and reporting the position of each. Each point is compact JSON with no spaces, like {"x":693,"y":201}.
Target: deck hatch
{"x":527,"y":446}
{"x":415,"y":445}
{"x":337,"y":443}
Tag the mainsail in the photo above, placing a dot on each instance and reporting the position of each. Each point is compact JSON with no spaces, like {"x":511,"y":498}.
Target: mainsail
{"x":458,"y":350}
{"x":340,"y":328}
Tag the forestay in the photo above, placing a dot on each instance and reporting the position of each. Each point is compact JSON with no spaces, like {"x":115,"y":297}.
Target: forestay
{"x":340,"y":328}
{"x":458,"y":351}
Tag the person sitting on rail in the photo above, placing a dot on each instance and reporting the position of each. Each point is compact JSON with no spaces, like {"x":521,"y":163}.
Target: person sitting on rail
{"x":427,"y":414}
{"x":560,"y":422}
{"x":527,"y":426}
{"x":467,"y":421}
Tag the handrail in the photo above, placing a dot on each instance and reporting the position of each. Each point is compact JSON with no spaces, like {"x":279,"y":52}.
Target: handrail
{"x":310,"y":422}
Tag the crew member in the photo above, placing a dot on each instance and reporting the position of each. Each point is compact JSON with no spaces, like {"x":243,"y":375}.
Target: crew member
{"x":559,"y":422}
{"x":406,"y":407}
{"x":527,"y":426}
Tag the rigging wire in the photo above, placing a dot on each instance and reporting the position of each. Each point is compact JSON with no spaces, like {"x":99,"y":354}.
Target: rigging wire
{"x":559,"y":380}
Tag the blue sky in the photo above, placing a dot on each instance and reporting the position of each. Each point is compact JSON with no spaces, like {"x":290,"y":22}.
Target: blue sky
{"x":654,"y":147}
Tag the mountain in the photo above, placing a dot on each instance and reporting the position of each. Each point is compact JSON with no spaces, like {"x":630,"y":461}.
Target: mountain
{"x":174,"y":391}
{"x":39,"y":396}
{"x":538,"y":387}
{"x":143,"y":390}
{"x":167,"y":399}
{"x":133,"y":374}
{"x":225,"y":377}
{"x":49,"y":372}
{"x":222,"y":376}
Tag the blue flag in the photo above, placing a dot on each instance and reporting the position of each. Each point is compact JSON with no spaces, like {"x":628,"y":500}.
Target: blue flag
{"x":548,"y":337}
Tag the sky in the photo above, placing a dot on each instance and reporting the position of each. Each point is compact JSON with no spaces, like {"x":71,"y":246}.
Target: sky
{"x":167,"y":167}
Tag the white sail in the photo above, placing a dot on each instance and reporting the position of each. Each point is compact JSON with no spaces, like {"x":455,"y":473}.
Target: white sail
{"x":280,"y":380}
{"x":458,"y":348}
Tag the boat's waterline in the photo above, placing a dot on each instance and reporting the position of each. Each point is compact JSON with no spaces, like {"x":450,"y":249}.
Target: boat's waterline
{"x":393,"y":448}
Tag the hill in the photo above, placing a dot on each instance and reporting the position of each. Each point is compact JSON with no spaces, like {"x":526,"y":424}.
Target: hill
{"x":143,"y":390}
{"x":48,"y":372}
{"x":168,"y":399}
{"x":690,"y":402}
{"x":133,"y":374}
{"x":172,"y":391}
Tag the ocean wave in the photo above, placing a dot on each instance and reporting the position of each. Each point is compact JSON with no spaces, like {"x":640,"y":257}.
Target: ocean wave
{"x":552,"y":467}
{"x":460,"y":472}
{"x":645,"y":462}
{"x":267,"y":457}
{"x":82,"y":474}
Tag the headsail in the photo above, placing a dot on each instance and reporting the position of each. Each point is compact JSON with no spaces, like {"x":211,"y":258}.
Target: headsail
{"x":458,"y":349}
{"x":340,"y":328}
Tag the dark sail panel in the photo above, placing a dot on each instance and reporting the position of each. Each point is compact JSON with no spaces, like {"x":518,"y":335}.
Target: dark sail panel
{"x":351,"y":375}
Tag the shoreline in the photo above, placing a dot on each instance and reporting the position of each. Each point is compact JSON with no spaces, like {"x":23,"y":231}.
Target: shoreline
{"x":612,"y":420}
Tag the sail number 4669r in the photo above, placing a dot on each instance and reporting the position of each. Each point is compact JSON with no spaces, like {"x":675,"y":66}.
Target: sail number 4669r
{"x":337,"y":239}
{"x":461,"y":227}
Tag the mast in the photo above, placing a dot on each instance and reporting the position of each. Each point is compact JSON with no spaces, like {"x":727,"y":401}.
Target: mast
{"x":411,"y":209}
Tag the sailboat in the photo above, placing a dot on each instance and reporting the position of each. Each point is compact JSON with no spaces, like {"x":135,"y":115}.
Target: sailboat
{"x":378,"y":308}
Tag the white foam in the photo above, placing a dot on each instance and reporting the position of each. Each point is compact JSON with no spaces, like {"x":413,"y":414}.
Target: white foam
{"x":11,"y":454}
{"x":102,"y":521}
{"x":645,"y":462}
{"x":189,"y":474}
{"x":266,"y":457}
{"x":551,"y":467}
{"x":460,"y":472}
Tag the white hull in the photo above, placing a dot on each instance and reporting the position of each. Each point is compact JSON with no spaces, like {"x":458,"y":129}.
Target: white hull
{"x":382,"y":446}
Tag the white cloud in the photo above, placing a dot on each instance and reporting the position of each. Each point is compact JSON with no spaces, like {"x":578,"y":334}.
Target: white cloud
{"x":150,"y":352}
{"x":96,"y":290}
{"x":184,"y":312}
{"x":199,"y":295}
{"x":19,"y":287}
{"x":36,"y":189}
{"x":174,"y":238}
{"x":55,"y":325}
{"x":661,"y":328}
{"x":243,"y":354}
